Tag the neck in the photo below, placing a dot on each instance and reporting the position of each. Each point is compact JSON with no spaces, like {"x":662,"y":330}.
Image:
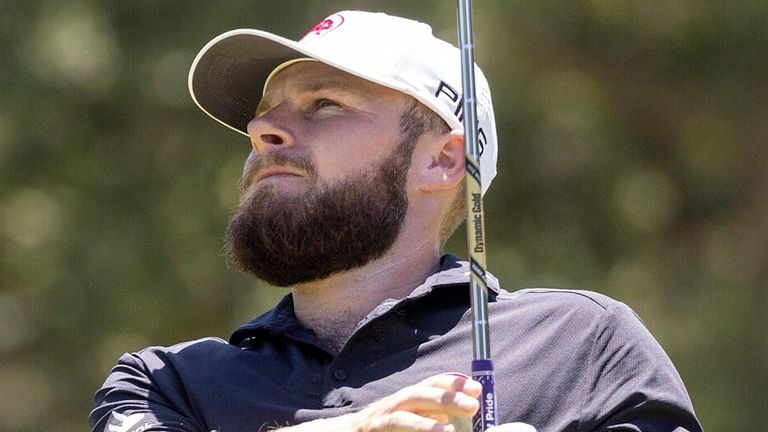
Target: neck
{"x":334,"y":306}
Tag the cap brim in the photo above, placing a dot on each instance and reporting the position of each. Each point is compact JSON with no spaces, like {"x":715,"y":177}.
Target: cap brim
{"x":227,"y":78}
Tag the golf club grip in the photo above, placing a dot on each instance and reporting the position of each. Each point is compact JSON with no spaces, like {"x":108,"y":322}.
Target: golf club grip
{"x":482,"y":372}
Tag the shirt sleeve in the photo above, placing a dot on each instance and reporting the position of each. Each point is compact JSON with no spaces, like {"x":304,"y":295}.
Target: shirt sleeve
{"x":635,"y":387}
{"x":132,"y":399}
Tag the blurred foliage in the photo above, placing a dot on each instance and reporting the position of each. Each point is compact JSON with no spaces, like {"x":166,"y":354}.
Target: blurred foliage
{"x":633,"y":162}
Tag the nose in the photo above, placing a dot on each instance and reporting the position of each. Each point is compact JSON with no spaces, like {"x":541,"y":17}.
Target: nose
{"x":269,"y":131}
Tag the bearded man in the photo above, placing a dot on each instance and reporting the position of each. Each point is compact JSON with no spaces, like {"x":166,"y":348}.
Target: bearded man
{"x":352,"y":187}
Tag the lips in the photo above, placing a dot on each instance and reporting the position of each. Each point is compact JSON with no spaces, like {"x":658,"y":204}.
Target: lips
{"x":277,"y":167}
{"x":268,"y":175}
{"x":275,"y":172}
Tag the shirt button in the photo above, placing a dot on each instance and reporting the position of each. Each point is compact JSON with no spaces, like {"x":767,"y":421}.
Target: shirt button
{"x":340,"y":374}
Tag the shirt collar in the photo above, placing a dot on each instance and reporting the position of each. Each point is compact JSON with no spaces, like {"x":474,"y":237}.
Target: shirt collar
{"x":282,"y":320}
{"x":453,"y":271}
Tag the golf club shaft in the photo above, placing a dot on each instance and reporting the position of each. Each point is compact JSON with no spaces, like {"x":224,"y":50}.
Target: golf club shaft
{"x":482,"y":367}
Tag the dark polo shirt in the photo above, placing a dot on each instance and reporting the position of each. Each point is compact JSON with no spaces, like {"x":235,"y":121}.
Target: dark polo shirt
{"x":565,"y":360}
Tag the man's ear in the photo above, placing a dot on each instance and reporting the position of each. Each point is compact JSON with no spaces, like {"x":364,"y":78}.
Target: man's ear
{"x":444,"y":163}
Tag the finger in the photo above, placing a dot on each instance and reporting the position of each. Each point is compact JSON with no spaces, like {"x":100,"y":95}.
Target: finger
{"x":456,"y":383}
{"x":438,"y":416}
{"x":426,"y":399}
{"x":404,"y":421}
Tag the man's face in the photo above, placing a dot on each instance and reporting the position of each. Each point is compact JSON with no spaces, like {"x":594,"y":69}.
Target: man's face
{"x":332,"y":120}
{"x":323,"y":190}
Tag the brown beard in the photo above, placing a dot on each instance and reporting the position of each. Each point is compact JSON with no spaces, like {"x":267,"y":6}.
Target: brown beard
{"x":287,"y":240}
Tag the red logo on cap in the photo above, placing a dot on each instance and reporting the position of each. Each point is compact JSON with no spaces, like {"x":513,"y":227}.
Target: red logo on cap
{"x":325,"y":25}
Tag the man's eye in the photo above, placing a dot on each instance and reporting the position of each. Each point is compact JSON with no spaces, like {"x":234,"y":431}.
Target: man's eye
{"x":326,"y":103}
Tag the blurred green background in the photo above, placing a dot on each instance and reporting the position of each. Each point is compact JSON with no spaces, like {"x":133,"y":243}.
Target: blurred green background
{"x":634,"y":148}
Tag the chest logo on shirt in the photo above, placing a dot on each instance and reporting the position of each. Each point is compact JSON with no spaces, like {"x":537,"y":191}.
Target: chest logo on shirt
{"x":127,"y":422}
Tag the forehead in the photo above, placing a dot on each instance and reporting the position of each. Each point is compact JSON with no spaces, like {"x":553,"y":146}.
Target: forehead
{"x":313,"y":76}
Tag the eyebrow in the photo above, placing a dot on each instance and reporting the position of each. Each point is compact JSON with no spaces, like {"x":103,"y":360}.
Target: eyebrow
{"x":314,"y":86}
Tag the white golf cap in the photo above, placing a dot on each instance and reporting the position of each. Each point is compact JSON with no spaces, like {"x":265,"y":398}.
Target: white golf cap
{"x":228,"y":76}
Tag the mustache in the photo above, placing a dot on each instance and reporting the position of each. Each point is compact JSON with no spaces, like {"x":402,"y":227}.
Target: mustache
{"x":258,"y":164}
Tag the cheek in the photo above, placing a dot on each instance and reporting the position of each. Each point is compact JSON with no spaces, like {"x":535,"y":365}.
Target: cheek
{"x":331,"y":169}
{"x":344,"y":147}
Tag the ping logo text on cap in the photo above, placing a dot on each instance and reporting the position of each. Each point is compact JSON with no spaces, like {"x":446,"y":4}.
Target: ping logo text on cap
{"x":444,"y":89}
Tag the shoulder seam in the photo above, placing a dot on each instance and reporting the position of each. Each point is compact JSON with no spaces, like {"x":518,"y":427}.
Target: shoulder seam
{"x":580,"y":293}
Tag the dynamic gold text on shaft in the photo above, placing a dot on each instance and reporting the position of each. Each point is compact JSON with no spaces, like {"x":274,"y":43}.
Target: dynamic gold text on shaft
{"x":477,"y":220}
